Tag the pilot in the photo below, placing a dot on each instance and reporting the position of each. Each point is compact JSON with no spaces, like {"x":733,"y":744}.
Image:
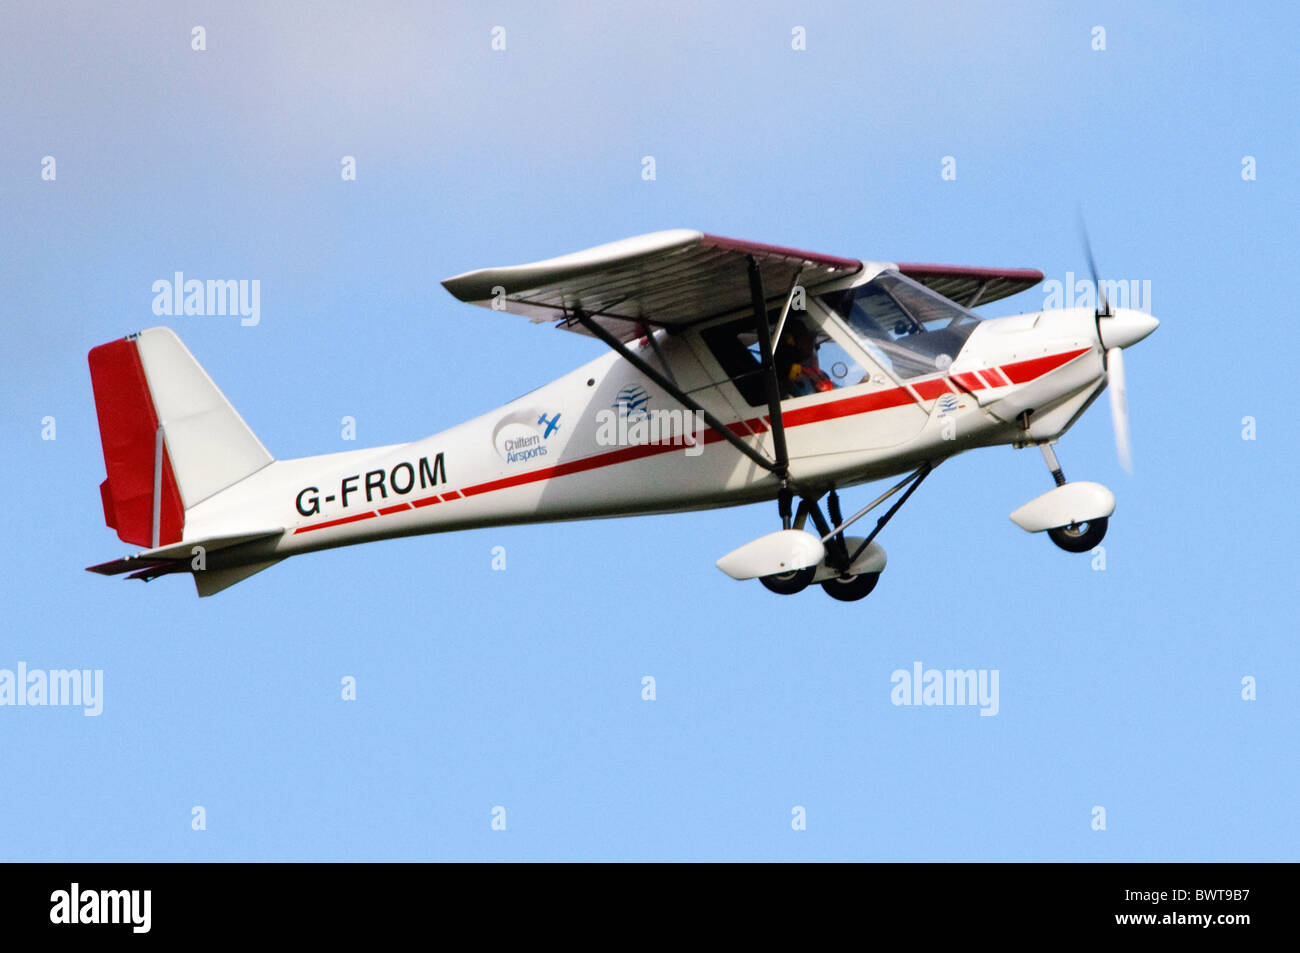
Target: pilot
{"x":798,"y":361}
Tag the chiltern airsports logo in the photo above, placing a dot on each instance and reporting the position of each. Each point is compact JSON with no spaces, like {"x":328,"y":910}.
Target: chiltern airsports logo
{"x":523,"y":436}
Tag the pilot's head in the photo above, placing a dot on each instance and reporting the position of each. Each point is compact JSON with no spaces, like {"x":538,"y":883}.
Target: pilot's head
{"x":798,"y":338}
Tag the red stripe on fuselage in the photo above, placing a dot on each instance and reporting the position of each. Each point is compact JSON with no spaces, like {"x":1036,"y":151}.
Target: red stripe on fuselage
{"x":969,"y":381}
{"x":933,"y":389}
{"x":337,"y":522}
{"x":1022,"y":372}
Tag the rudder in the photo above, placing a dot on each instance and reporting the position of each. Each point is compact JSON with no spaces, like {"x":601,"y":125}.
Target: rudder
{"x":170,"y":437}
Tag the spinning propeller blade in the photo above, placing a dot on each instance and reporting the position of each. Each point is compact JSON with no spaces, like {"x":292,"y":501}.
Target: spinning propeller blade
{"x":1103,"y":306}
{"x":1119,"y":406}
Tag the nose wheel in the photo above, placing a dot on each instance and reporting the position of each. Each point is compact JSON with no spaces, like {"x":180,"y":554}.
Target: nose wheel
{"x":1080,"y":537}
{"x":1075,"y":537}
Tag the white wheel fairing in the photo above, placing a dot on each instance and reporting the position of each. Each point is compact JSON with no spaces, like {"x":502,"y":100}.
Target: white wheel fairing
{"x":1070,"y":503}
{"x":872,"y":560}
{"x":784,"y":551}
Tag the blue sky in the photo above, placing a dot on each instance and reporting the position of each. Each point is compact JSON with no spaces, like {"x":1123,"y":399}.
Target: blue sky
{"x":522,"y":689}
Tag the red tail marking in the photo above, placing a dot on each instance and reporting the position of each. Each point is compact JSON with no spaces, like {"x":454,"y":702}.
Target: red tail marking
{"x":128,"y":427}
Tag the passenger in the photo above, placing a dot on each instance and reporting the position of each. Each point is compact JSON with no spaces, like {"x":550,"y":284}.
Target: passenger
{"x":797,"y":361}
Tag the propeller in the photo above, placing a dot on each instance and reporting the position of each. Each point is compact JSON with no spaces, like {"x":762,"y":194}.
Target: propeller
{"x":1119,"y":406}
{"x":1112,"y":361}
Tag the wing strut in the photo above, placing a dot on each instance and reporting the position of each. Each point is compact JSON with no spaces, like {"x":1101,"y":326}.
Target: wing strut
{"x":671,"y":387}
{"x":764,"y":331}
{"x":780,"y":467}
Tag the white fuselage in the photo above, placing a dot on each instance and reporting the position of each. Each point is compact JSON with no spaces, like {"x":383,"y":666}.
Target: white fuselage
{"x":580,"y":447}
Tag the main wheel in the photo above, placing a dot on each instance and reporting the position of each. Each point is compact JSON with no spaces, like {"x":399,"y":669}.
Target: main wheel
{"x":851,"y":588}
{"x":1080,"y":537}
{"x":788,"y":583}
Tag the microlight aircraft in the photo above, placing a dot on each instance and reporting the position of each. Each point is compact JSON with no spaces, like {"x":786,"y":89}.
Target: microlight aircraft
{"x":738,"y":373}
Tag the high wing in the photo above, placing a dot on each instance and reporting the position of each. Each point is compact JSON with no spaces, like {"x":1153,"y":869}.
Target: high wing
{"x":970,"y":287}
{"x":680,"y":277}
{"x":667,"y":279}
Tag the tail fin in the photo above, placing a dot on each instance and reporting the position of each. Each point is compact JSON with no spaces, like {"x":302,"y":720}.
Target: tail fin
{"x":170,"y":437}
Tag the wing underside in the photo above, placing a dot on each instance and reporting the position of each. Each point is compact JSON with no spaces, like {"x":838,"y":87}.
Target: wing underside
{"x":677,"y":278}
{"x":971,"y":287}
{"x":666,"y":279}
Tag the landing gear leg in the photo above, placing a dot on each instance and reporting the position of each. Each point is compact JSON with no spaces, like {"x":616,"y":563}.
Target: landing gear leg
{"x":846,"y":587}
{"x":1053,"y":465}
{"x":788,"y":583}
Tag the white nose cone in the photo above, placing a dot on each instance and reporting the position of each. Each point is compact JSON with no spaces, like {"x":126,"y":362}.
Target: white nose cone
{"x":1125,"y":327}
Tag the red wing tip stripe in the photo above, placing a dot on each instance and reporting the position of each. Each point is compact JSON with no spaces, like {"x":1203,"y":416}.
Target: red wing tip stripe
{"x":963,"y":271}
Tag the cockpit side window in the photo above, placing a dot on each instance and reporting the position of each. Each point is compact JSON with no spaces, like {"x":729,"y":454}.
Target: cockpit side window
{"x":910,"y":329}
{"x":808,"y":360}
{"x":736,"y":352}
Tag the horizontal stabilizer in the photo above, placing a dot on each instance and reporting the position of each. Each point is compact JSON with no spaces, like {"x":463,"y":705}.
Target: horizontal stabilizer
{"x":214,"y":580}
{"x":176,"y":556}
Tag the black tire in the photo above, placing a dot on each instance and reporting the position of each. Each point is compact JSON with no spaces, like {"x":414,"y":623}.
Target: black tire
{"x":788,"y":583}
{"x":1080,"y":537}
{"x":851,"y":588}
